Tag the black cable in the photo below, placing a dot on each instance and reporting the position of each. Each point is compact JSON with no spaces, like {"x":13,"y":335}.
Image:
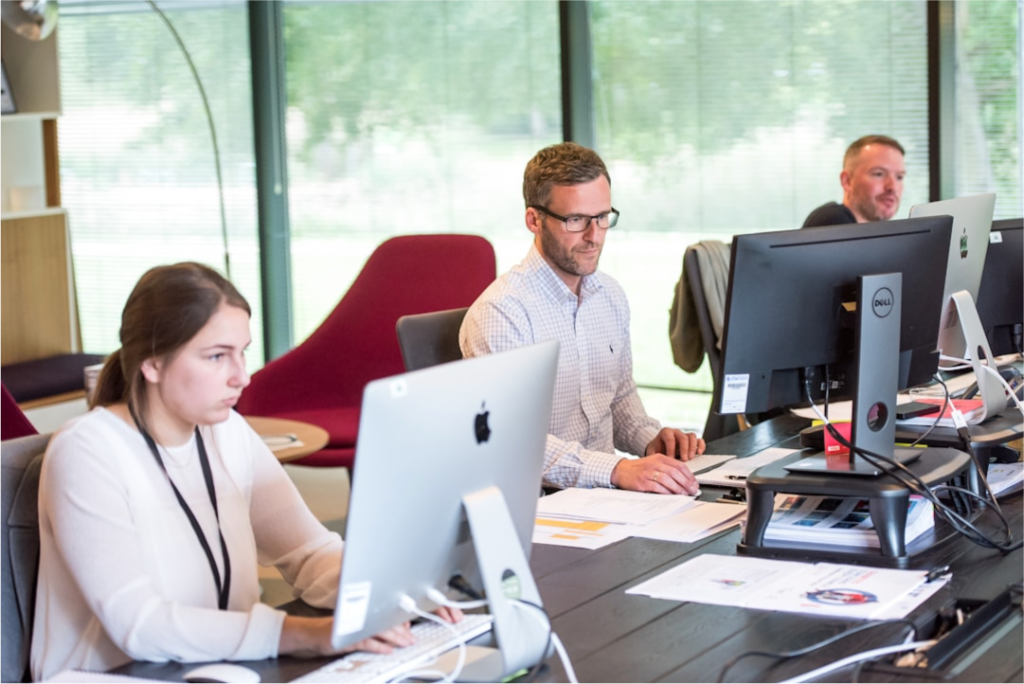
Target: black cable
{"x":460,"y":583}
{"x":942,"y":411}
{"x":918,"y":486}
{"x":954,"y":518}
{"x":785,"y":655}
{"x":903,"y":475}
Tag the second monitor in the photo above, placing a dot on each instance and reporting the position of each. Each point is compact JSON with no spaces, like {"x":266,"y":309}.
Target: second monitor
{"x":1001,"y":294}
{"x":791,"y":322}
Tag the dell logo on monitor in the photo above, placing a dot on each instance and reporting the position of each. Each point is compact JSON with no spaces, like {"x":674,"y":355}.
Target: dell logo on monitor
{"x":881,"y":302}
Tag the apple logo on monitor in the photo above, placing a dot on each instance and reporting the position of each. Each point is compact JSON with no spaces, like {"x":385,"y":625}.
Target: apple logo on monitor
{"x":483,"y":430}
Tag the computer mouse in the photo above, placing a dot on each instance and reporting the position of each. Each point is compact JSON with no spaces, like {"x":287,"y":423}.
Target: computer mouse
{"x":222,"y":672}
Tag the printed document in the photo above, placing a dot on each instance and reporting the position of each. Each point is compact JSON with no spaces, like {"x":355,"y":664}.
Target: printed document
{"x":611,"y":505}
{"x":733,"y":473}
{"x":849,"y":591}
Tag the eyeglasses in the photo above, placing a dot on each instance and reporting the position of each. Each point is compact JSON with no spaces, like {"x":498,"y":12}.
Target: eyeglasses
{"x":577,"y":223}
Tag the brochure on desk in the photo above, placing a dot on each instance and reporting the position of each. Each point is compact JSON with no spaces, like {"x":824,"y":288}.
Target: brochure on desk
{"x":838,"y":521}
{"x":849,"y":591}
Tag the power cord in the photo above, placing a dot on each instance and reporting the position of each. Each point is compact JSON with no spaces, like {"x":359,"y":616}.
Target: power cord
{"x":785,"y":655}
{"x":859,"y":657}
{"x":407,"y":603}
{"x":544,"y":619}
{"x":942,"y":411}
{"x":440,"y":599}
{"x":459,"y":583}
{"x":907,"y":478}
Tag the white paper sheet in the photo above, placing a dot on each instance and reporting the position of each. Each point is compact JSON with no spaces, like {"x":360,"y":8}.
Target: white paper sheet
{"x":611,"y":505}
{"x":583,"y":534}
{"x":699,"y":521}
{"x":848,"y":591}
{"x":733,"y":473}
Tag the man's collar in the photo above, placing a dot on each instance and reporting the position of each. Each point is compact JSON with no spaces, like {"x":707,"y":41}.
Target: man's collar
{"x":535,"y":263}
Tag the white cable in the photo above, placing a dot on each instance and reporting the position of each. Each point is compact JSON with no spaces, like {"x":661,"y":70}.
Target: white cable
{"x":1006,"y":386}
{"x":545,"y":622}
{"x":566,"y":664}
{"x":995,"y":373}
{"x":440,"y":599}
{"x":964,"y":364}
{"x":858,"y":657}
{"x":409,"y":604}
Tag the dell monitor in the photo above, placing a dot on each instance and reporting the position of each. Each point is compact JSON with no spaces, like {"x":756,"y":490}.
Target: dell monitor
{"x":1001,"y":295}
{"x":448,"y":467}
{"x":793,"y":323}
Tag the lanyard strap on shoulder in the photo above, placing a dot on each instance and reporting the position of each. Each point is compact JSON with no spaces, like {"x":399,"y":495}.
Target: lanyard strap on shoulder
{"x":223,"y":586}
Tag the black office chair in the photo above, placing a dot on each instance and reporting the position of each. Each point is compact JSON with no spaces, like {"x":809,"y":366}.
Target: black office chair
{"x":22,"y":461}
{"x":430,"y":339}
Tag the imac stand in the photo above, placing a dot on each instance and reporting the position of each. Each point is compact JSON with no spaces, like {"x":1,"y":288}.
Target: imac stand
{"x":873,"y":429}
{"x":505,"y":570}
{"x":963,"y":313}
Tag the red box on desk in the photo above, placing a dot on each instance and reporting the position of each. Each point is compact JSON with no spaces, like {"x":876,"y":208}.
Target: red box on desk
{"x":832,"y":446}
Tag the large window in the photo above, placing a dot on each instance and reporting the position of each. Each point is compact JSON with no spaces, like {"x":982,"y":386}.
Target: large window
{"x":988,"y":103}
{"x":407,"y":117}
{"x":718,"y":118}
{"x":715,"y":118}
{"x":137,"y":166}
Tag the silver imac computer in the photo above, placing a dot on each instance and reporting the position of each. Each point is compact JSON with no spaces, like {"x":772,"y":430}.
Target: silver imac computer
{"x":446,"y":481}
{"x":961,"y":335}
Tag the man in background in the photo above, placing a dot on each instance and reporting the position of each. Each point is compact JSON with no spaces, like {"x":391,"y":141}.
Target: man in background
{"x":872,"y":180}
{"x":556,"y":292}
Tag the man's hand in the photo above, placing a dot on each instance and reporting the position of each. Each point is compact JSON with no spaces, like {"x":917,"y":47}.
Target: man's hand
{"x":657,"y":473}
{"x":672,"y":442}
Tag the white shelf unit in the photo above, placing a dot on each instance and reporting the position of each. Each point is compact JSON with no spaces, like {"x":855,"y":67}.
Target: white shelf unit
{"x":39,"y":312}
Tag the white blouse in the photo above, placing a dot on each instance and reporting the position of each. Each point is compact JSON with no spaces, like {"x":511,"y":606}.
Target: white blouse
{"x":122,"y":575}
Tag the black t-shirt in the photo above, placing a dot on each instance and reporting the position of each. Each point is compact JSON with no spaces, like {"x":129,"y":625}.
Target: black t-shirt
{"x":830,"y":214}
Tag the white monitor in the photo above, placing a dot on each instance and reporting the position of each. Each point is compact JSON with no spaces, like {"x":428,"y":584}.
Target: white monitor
{"x":429,"y":441}
{"x":968,"y":243}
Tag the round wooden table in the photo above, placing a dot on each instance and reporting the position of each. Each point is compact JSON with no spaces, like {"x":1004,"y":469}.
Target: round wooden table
{"x":289,"y":439}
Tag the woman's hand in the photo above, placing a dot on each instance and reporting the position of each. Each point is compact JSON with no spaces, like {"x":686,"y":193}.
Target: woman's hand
{"x":309,"y":637}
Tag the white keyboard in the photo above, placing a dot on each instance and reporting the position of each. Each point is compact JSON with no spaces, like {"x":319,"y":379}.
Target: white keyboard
{"x":704,"y":462}
{"x":432,"y":640}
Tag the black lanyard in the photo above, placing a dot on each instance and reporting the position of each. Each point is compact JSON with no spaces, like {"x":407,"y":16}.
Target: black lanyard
{"x":223,"y":587}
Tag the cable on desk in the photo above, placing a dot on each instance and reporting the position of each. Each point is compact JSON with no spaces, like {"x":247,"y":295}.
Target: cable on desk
{"x":942,"y":411}
{"x":409,"y":604}
{"x":858,"y":657}
{"x":459,"y":583}
{"x":907,"y":478}
{"x":806,"y":650}
{"x":545,"y":622}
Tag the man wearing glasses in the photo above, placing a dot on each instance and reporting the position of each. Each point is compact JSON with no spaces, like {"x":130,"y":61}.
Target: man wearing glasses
{"x":556,"y":292}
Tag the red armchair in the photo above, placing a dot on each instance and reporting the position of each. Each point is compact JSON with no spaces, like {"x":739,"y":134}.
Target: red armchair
{"x":321,"y":380}
{"x":13,"y":422}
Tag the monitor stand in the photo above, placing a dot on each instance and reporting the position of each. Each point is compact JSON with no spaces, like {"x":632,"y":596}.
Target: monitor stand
{"x":873,"y":429}
{"x":522,"y":640}
{"x":876,"y":383}
{"x":887,"y":499}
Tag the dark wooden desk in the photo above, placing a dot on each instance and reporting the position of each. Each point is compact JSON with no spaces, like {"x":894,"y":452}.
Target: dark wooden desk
{"x":615,"y":637}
